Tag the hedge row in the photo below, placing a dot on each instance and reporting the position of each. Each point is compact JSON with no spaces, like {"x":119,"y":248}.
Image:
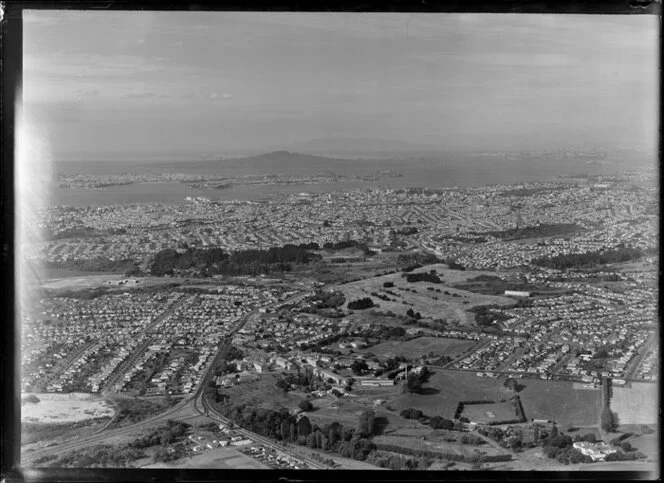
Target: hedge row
{"x":436,"y":454}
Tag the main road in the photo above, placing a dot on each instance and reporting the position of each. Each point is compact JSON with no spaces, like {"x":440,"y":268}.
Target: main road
{"x":185,"y":409}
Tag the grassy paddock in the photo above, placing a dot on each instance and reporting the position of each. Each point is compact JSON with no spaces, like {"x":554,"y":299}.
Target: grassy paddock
{"x":636,"y":404}
{"x":421,"y":346}
{"x":447,"y":389}
{"x":428,"y":445}
{"x":262,"y":392}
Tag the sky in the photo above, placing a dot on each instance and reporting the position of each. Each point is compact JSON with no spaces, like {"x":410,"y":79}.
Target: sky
{"x":146,"y":82}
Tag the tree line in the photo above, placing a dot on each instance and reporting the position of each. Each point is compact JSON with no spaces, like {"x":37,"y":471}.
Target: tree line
{"x":215,"y":261}
{"x":592,"y":259}
{"x":280,"y":425}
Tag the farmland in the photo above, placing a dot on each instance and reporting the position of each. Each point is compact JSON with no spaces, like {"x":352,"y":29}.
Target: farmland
{"x":421,"y":346}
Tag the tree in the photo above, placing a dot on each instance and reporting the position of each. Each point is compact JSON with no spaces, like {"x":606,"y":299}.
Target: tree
{"x":305,"y":405}
{"x":359,"y":366}
{"x":626,"y":447}
{"x":303,"y":427}
{"x":477,"y":460}
{"x":282,"y":384}
{"x":391,"y":364}
{"x":411,"y":413}
{"x":575,"y":456}
{"x":590,"y":438}
{"x":510,"y":383}
{"x":366,"y":422}
{"x":415,"y":381}
{"x":438,"y":422}
{"x":349,"y":384}
{"x":561,"y":441}
{"x":608,"y":420}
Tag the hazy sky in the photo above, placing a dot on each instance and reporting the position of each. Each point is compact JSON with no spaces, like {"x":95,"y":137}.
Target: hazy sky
{"x":210,"y":81}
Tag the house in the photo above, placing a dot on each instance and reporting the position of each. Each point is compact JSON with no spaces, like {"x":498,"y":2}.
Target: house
{"x":260,"y":366}
{"x":241,"y":442}
{"x":325,"y":374}
{"x":376,"y":382}
{"x":597,"y":451}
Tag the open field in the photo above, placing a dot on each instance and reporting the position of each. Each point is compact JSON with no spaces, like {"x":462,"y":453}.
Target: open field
{"x":421,"y":346}
{"x":345,"y":463}
{"x":65,"y":408}
{"x":648,"y":444}
{"x":262,"y":392}
{"x":534,"y":460}
{"x":447,"y":389}
{"x":346,"y":411}
{"x":433,"y":445}
{"x":80,"y":282}
{"x":637,"y":404}
{"x":560,"y":402}
{"x":554,"y":400}
{"x":487,"y":413}
{"x":220,"y":458}
{"x":445,"y":306}
{"x":333,"y":273}
{"x":34,"y":435}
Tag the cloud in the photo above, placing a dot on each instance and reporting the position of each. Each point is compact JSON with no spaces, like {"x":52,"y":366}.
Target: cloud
{"x":140,"y":95}
{"x":226,"y":95}
{"x":87,"y":93}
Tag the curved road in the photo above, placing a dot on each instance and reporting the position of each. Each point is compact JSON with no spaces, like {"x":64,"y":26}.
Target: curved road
{"x":183,"y":407}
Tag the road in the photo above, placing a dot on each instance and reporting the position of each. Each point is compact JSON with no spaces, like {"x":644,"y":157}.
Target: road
{"x":62,"y":366}
{"x":185,"y":409}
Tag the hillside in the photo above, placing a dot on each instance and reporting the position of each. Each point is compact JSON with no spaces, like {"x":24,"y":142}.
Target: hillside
{"x":279,"y":162}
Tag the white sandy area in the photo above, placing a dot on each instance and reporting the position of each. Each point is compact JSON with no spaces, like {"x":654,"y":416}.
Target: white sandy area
{"x":65,"y":408}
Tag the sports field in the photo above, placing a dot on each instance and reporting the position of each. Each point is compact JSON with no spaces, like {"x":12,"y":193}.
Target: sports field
{"x":421,"y":346}
{"x":489,"y":413}
{"x":445,"y":389}
{"x":554,"y":400}
{"x":560,"y":402}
